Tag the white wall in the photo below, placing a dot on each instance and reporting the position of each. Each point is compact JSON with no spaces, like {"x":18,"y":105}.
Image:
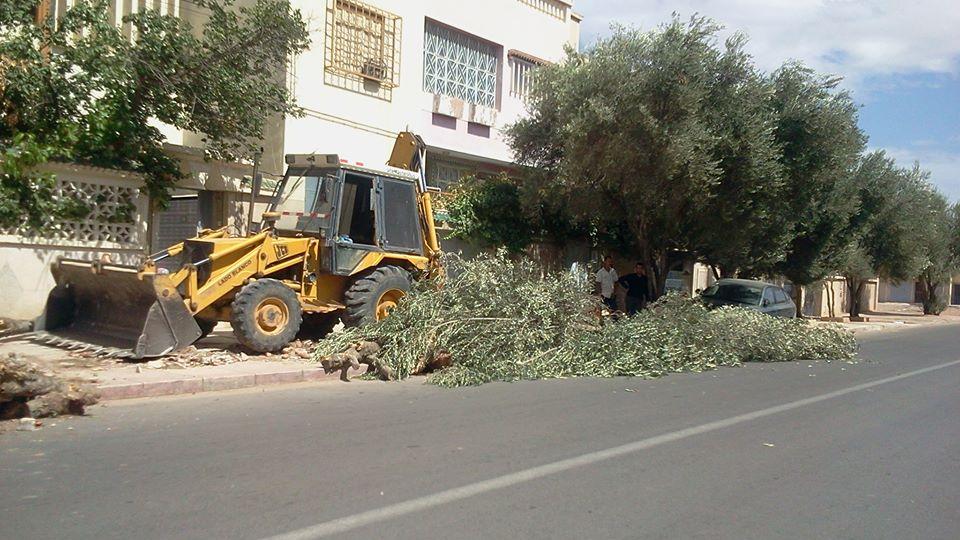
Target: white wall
{"x":25,"y":278}
{"x":361,"y":127}
{"x":897,"y":292}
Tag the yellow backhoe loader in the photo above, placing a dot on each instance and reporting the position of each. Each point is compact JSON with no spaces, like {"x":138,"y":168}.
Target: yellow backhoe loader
{"x":338,"y":241}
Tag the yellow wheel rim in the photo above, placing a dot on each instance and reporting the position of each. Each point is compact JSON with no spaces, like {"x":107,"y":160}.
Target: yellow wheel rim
{"x":272,"y":316}
{"x":387,"y":302}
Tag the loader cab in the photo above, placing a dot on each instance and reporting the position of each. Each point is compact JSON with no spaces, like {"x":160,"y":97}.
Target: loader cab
{"x":352,"y":209}
{"x":376,"y":212}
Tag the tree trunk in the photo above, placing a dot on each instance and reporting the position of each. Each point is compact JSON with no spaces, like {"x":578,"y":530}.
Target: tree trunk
{"x":798,"y":298}
{"x":661,"y":271}
{"x":831,"y":299}
{"x":855,"y":288}
{"x":716,"y":273}
{"x":930,"y":299}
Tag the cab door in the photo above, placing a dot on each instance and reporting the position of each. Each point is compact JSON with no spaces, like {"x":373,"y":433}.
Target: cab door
{"x":356,"y":233}
{"x":398,"y":217}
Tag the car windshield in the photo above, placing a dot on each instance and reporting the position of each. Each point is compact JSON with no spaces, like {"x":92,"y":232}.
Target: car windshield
{"x":735,"y":292}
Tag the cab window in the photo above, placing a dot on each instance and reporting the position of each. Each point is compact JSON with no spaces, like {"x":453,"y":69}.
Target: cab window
{"x":306,"y":203}
{"x":357,"y":220}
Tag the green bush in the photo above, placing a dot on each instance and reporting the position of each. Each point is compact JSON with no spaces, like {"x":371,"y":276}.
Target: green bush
{"x":503,"y":320}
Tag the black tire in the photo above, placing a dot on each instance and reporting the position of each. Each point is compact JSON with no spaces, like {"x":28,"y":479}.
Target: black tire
{"x":317,"y":325}
{"x":205,"y":327}
{"x":365,"y":293}
{"x":266,"y":315}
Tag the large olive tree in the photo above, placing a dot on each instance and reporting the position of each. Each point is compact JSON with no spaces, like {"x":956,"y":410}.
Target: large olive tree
{"x":940,"y":248}
{"x":817,"y":131}
{"x":625,"y":135}
{"x":884,"y":236}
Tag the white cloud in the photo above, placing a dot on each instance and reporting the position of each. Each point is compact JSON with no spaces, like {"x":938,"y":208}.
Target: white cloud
{"x":944,"y":166}
{"x":854,"y":38}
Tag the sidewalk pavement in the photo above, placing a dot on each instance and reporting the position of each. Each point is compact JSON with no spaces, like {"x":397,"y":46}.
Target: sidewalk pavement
{"x":115,"y":379}
{"x":895,"y":316}
{"x":125,"y":382}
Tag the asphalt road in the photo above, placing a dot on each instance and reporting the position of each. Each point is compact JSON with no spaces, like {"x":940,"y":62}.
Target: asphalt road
{"x":802,"y":450}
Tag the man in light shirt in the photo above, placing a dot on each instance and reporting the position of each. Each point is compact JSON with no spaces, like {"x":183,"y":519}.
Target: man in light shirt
{"x":605,"y":281}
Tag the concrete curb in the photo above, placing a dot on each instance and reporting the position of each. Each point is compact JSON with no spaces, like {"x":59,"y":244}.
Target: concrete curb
{"x":193,"y":385}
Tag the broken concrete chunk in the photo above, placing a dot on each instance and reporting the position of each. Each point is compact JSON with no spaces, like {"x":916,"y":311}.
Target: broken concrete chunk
{"x":28,"y":424}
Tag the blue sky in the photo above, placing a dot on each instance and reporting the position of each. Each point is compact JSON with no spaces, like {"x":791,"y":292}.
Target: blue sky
{"x":901,"y":60}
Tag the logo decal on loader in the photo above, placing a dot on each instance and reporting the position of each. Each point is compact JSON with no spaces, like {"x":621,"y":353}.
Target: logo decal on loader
{"x":281,"y":250}
{"x":233,"y":273}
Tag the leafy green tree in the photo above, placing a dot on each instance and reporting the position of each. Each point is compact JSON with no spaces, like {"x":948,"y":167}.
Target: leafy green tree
{"x":498,"y":212}
{"x":939,"y":247}
{"x":84,"y":90}
{"x":620,"y":135}
{"x":816,"y":128}
{"x":741,"y":222}
{"x":489,"y":211}
{"x":884,"y":233}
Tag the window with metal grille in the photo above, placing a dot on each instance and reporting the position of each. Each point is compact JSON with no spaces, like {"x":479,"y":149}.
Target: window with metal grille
{"x":362,"y":48}
{"x":522,"y":76}
{"x":445,"y":175}
{"x":459,"y":65}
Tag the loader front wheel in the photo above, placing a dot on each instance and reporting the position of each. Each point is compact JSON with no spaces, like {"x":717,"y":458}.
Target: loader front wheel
{"x":373,"y":296}
{"x":266,"y":315}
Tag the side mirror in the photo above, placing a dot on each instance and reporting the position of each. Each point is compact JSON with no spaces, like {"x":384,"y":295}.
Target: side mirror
{"x":765,"y":303}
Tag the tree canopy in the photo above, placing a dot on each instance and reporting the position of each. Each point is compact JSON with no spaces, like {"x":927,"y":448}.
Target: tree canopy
{"x":821,"y":142}
{"x":884,"y":234}
{"x":939,"y":243}
{"x":84,"y":89}
{"x":621,"y":136}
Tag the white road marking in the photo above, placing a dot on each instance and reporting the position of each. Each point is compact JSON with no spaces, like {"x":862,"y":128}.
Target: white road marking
{"x":349,"y":523}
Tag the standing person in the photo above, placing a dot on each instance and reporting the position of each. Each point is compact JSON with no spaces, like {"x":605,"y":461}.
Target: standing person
{"x":606,"y":279}
{"x":638,"y":288}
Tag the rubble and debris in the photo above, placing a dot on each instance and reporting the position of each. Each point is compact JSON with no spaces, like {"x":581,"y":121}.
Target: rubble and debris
{"x":28,"y":391}
{"x":194,"y":356}
{"x":29,"y":424}
{"x":9,"y":327}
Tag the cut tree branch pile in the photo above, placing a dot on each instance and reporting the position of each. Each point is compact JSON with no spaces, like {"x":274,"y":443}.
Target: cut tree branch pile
{"x":497,"y":319}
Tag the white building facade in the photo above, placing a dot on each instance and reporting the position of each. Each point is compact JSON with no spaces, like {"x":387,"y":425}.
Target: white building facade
{"x":453,"y":71}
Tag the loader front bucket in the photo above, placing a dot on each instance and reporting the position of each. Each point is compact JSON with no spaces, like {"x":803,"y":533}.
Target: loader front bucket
{"x":115,"y":311}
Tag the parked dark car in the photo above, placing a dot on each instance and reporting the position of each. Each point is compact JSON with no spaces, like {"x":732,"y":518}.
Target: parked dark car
{"x":750,"y":294}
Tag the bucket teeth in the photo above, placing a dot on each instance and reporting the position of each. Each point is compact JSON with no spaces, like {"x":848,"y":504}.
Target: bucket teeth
{"x":74,"y":345}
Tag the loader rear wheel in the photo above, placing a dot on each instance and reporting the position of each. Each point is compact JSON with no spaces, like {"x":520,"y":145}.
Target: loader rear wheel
{"x":266,"y":315}
{"x":374,"y":295}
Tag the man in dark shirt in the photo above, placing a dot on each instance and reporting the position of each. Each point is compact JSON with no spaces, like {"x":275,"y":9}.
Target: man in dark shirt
{"x":637,"y":287}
